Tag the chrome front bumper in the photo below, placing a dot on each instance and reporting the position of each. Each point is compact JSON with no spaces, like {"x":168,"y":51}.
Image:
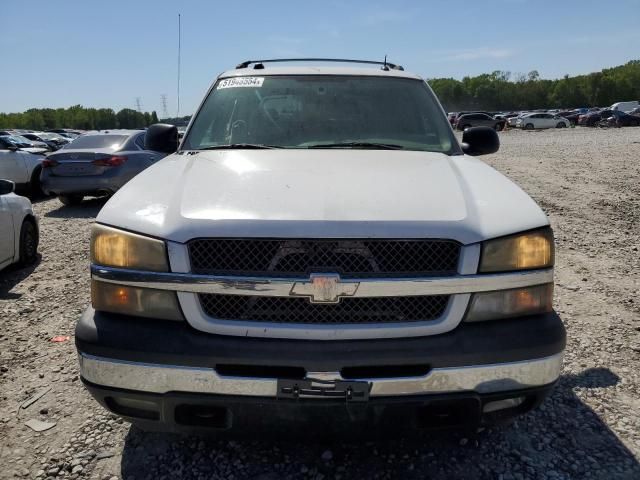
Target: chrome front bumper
{"x":158,"y":378}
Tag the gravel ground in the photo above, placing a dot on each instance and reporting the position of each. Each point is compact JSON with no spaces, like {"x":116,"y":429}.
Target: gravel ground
{"x":587,"y":180}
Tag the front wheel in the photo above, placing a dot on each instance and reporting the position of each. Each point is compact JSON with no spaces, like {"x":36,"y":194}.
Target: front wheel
{"x":70,"y":200}
{"x":499,"y":127}
{"x":528,"y":126}
{"x":29,"y":240}
{"x":35,"y":189}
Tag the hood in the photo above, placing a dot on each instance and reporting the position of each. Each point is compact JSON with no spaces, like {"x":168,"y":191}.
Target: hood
{"x":321,"y":194}
{"x":36,"y":150}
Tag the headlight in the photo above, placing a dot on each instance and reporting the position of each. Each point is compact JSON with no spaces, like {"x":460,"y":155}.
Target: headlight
{"x":141,"y":302}
{"x":518,"y":252}
{"x":116,"y":248}
{"x":510,"y":303}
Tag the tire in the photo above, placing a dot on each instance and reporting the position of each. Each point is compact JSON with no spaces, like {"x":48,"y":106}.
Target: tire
{"x":35,"y":189}
{"x":29,"y":239}
{"x":70,"y":200}
{"x":498,"y":127}
{"x":529,"y":126}
{"x":560,"y":125}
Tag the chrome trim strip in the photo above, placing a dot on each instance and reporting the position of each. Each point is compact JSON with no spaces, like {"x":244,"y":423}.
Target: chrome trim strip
{"x":158,"y":378}
{"x":281,"y":287}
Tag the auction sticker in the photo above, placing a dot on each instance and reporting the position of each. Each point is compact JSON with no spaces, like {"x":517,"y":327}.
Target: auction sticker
{"x":240,"y":82}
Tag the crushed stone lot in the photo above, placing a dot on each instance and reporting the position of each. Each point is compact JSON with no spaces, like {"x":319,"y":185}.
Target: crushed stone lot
{"x":588,"y":182}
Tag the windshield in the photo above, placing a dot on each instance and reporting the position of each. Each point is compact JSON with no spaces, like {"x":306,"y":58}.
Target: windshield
{"x":97,"y":141}
{"x":315,"y":111}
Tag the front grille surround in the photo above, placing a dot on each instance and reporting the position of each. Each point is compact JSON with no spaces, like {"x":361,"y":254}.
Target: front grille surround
{"x":352,"y":258}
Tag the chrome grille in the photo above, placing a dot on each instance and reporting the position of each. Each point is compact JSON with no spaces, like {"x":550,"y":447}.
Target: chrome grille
{"x":349,"y":258}
{"x":300,"y":310}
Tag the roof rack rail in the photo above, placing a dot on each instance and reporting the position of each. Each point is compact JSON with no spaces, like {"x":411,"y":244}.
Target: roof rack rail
{"x":258,"y":63}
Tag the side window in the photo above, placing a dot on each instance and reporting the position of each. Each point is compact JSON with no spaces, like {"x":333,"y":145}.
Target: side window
{"x":140,"y":141}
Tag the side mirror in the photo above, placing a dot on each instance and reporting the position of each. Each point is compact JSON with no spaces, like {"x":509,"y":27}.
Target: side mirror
{"x":480,"y":141}
{"x":161,"y":137}
{"x":13,"y":148}
{"x":6,"y":186}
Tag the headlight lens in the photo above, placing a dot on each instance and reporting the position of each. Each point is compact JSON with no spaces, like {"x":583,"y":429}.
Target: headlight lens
{"x":518,"y":252}
{"x":510,"y":303}
{"x":142,"y":302}
{"x":116,"y":248}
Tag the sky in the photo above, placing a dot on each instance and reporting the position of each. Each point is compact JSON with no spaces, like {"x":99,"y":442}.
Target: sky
{"x":108,"y":54}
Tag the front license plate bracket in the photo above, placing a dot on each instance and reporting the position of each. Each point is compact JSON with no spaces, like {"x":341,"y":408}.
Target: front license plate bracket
{"x":349,"y":391}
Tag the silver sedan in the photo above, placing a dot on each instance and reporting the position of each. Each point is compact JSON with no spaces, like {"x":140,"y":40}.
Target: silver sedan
{"x":96,"y":164}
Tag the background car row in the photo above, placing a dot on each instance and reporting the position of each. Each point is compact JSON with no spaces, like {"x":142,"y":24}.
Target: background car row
{"x":620,"y":114}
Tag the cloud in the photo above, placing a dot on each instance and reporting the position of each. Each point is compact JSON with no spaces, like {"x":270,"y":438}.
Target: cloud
{"x":380,"y":16}
{"x":475,"y":54}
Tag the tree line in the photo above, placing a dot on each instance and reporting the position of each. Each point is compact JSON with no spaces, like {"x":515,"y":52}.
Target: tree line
{"x":502,"y":91}
{"x":78,"y":117}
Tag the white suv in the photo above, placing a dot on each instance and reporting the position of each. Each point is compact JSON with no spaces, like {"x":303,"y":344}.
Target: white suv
{"x":320,"y":247}
{"x":532,"y":121}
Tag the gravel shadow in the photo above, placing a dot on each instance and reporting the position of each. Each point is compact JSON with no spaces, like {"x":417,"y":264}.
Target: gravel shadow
{"x":12,"y":276}
{"x":564,"y":438}
{"x":87,"y":209}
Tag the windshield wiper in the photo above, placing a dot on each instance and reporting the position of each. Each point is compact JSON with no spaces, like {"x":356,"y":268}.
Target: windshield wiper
{"x":239,"y":146}
{"x":379,"y":146}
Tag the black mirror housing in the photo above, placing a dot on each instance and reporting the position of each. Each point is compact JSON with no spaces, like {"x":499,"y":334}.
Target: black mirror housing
{"x":7,"y":186}
{"x":480,"y":141}
{"x":161,"y":137}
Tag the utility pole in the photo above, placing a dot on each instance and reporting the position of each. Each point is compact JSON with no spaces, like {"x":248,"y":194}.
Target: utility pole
{"x":179,"y":47}
{"x":165,"y":112}
{"x":138,"y":104}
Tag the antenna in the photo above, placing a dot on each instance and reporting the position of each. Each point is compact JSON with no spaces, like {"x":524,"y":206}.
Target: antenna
{"x":179,"y":48}
{"x":165,"y":112}
{"x":138,"y":104}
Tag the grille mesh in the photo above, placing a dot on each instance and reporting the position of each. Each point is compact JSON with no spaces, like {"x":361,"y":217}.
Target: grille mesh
{"x":300,"y":310}
{"x":349,"y":258}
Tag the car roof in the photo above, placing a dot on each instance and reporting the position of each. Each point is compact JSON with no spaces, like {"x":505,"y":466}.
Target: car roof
{"x":317,"y":70}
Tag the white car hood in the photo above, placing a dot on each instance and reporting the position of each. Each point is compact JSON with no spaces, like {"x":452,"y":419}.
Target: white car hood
{"x":321,"y":193}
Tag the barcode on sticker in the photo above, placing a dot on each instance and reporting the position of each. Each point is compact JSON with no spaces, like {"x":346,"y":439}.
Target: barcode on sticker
{"x":241,"y":82}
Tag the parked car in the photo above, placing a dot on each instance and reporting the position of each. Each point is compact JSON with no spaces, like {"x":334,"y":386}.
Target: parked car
{"x":97,"y":163}
{"x":532,"y":121}
{"x":571,"y":115}
{"x":591,"y":119}
{"x":21,"y":165}
{"x":18,"y":227}
{"x":511,"y":121}
{"x":479,"y":120}
{"x":24,"y":142}
{"x":622,"y":119}
{"x":272,"y":279}
{"x":53,"y":140}
{"x":625,"y":106}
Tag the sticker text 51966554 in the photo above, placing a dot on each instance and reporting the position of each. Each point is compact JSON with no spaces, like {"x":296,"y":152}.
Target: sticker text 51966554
{"x":240,"y":82}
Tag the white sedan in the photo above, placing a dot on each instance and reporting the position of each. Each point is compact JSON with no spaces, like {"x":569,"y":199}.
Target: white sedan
{"x":541,"y":120}
{"x":21,"y":165}
{"x":19,"y":234}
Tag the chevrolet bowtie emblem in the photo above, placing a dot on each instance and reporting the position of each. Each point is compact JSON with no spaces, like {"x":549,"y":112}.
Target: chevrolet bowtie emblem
{"x":324,"y":288}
